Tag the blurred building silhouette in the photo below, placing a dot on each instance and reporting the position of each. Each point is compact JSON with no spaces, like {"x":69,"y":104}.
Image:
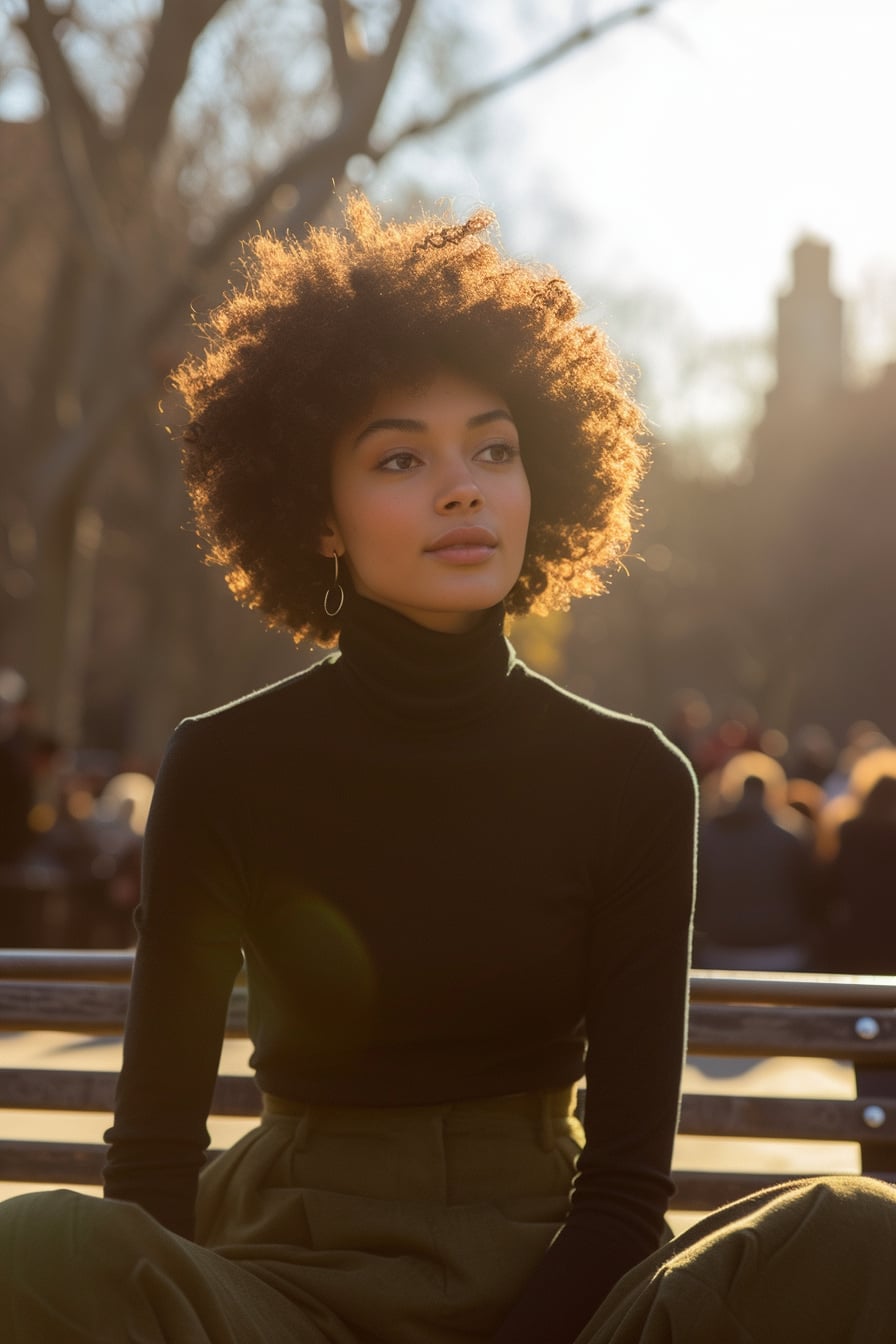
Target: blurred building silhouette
{"x":809,"y":337}
{"x":774,"y":588}
{"x":824,"y":481}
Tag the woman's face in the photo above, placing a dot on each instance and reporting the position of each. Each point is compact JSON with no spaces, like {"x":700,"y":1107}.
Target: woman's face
{"x":430,"y":502}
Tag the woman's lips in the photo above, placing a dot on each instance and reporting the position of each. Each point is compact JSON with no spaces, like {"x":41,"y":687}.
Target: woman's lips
{"x":464,"y":546}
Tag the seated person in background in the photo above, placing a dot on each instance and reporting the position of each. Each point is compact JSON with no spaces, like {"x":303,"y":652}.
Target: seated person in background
{"x":860,"y":888}
{"x":754,"y":876}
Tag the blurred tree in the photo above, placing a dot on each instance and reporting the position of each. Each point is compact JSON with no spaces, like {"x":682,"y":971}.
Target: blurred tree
{"x":169,"y":131}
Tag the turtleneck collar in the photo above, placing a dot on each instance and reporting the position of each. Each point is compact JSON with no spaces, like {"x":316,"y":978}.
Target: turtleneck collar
{"x":404,"y":670}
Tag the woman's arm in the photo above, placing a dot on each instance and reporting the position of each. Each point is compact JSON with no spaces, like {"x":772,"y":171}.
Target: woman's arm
{"x":636,"y":1019}
{"x":188,"y":953}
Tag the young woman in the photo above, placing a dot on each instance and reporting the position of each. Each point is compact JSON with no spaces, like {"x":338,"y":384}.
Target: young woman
{"x":446,"y":876}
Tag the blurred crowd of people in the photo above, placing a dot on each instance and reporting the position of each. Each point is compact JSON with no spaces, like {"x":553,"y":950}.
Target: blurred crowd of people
{"x":796,"y":858}
{"x":797,"y":846}
{"x":71,"y":829}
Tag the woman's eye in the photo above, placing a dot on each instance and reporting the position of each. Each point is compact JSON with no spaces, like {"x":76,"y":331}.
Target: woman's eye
{"x":400,"y":461}
{"x":497,"y":453}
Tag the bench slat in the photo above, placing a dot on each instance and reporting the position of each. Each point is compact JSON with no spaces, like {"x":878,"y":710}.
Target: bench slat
{"x":791,"y":987}
{"x":706,"y":986}
{"x":800,"y":1118}
{"x":56,"y":1090}
{"x":94,"y":1009}
{"x":704,"y":1114}
{"x":830,"y":1033}
{"x":39,"y":1005}
{"x":51,"y":1163}
{"x":26,"y":963}
{"x":715,"y":1028}
{"x":89,"y":1090}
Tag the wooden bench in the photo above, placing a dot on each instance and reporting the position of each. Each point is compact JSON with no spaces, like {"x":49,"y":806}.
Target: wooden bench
{"x":734,"y":1016}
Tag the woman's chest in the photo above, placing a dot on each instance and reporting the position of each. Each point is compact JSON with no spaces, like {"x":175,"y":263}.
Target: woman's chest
{"x":451,"y":875}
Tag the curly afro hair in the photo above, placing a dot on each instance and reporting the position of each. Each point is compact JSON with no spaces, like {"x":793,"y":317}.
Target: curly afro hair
{"x":321,"y":326}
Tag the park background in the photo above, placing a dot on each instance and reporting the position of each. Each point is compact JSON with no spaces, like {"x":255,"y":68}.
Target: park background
{"x":711,"y":175}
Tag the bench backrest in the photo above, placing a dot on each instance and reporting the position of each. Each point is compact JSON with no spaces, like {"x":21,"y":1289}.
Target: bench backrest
{"x":732,"y":1015}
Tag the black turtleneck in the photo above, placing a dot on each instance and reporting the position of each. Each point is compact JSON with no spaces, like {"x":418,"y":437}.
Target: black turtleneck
{"x":446,"y":874}
{"x":408,"y":676}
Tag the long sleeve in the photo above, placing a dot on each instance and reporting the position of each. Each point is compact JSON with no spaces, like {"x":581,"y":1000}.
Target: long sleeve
{"x":188,"y":953}
{"x":636,"y":1021}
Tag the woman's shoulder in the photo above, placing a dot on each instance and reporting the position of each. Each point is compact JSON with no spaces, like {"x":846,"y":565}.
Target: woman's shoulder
{"x":270,"y":709}
{"x":611,"y":729}
{"x":602,"y":748}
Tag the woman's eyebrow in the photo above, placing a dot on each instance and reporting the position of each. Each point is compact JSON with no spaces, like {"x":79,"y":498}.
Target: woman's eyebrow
{"x":419,"y":426}
{"x":406,"y":426}
{"x":486,"y":418}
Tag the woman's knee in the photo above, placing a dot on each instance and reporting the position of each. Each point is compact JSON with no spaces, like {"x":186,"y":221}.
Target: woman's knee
{"x":64,"y":1229}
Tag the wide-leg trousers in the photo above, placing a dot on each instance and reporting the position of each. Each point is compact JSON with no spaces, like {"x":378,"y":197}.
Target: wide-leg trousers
{"x":419,"y":1225}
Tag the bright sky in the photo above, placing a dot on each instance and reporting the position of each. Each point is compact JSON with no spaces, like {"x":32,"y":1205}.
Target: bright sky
{"x":776,"y":117}
{"x":692,"y":151}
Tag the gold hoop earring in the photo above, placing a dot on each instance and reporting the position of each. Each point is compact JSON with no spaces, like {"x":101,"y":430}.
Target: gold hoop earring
{"x":336,"y":590}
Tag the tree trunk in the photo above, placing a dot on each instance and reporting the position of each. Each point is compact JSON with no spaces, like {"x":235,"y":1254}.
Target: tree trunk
{"x":63,"y":601}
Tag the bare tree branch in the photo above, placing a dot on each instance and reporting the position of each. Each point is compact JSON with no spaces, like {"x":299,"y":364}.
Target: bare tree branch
{"x":38,"y":27}
{"x":327,"y":155}
{"x":464,"y":102}
{"x":174,"y":36}
{"x":77,"y":141}
{"x":341,"y":62}
{"x":372,"y":75}
{"x":399,"y":28}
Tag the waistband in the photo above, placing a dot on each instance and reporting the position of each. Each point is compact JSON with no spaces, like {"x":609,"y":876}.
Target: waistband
{"x":545,"y":1110}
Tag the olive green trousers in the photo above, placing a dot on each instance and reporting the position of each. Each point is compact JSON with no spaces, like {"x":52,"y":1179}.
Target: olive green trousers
{"x":419,"y":1225}
{"x":810,"y":1260}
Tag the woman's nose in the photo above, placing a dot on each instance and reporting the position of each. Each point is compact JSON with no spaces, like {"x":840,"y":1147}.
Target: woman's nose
{"x":462,"y":495}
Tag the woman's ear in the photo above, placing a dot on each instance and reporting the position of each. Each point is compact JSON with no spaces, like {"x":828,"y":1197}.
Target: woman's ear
{"x":331,"y":542}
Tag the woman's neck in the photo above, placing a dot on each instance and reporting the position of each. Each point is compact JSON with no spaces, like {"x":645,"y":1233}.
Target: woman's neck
{"x":412,"y":672}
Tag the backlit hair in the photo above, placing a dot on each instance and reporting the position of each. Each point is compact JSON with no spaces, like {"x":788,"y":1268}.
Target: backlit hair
{"x":318,"y":327}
